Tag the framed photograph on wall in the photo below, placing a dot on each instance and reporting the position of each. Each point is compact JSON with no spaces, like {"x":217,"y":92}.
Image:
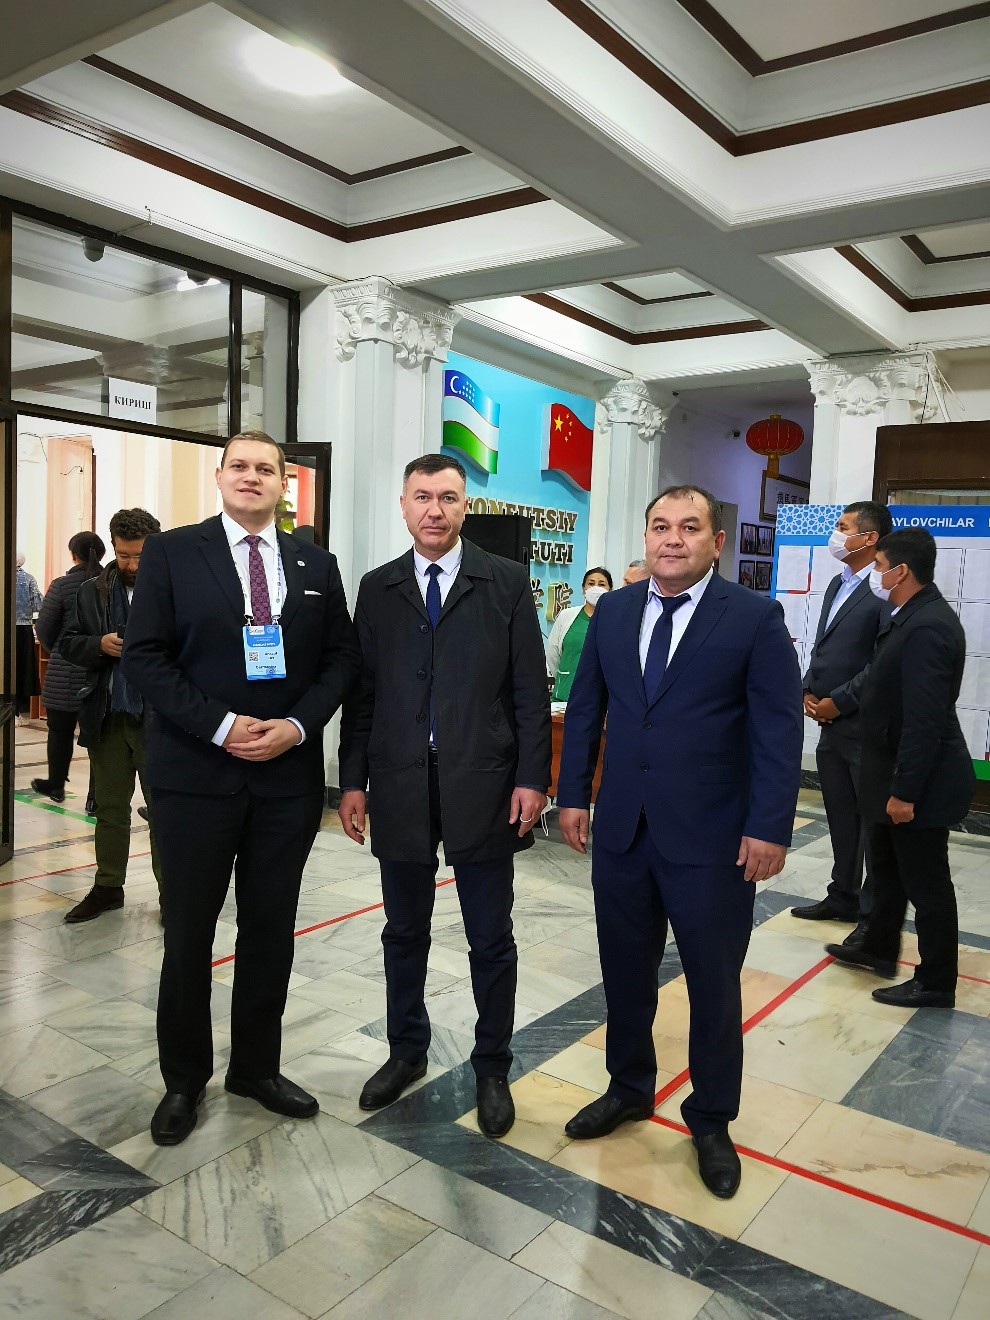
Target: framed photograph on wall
{"x":781,"y":490}
{"x":761,"y":577}
{"x":747,"y":569}
{"x":747,"y":538}
{"x":764,"y":540}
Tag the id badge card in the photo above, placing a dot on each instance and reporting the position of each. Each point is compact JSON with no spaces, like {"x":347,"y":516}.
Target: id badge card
{"x":264,"y":653}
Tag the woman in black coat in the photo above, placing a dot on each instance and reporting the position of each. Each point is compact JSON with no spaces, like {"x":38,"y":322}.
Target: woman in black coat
{"x":62,"y":680}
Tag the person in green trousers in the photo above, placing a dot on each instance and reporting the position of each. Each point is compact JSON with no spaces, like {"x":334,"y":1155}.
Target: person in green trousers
{"x":566,"y":640}
{"x":111,"y":717}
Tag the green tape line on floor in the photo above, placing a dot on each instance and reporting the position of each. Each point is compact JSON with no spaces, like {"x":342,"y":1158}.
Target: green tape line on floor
{"x":30,"y":800}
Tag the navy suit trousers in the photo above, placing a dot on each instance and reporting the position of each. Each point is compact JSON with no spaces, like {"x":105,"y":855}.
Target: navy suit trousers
{"x":484,"y":891}
{"x":710,"y":910}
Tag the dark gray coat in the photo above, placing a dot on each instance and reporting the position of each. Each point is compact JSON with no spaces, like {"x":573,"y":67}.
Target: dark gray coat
{"x":63,"y":681}
{"x":491,"y":705}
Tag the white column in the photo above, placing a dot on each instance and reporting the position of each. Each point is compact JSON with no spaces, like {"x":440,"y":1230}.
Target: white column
{"x":630,"y":425}
{"x":853,"y":397}
{"x":390,"y":345}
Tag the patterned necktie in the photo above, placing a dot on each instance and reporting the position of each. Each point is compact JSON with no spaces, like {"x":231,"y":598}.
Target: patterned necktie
{"x":659,"y":649}
{"x":433,"y":604}
{"x":261,"y":605}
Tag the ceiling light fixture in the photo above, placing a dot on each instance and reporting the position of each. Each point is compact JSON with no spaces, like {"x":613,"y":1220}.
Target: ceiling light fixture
{"x":193,"y":280}
{"x":93,"y":249}
{"x":291,"y":68}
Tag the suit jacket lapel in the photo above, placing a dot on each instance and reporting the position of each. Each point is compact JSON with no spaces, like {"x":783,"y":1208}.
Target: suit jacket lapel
{"x":851,"y":601}
{"x":628,"y":628}
{"x":403,"y":577}
{"x":294,"y":572}
{"x":831,"y":591}
{"x":217,"y":552}
{"x":707,"y":613}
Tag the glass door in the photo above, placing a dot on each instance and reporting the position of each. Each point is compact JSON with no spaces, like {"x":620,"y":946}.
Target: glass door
{"x":7,"y":659}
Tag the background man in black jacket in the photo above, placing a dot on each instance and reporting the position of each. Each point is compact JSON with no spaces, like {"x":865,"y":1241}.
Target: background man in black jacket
{"x":917,"y":775}
{"x":235,"y":765}
{"x":451,"y":724}
{"x":847,"y":632}
{"x":111,"y":717}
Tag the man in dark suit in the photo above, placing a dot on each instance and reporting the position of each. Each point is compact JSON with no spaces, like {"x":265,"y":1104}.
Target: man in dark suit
{"x":850,"y":619}
{"x":702,"y":689}
{"x":451,"y":726}
{"x":240,"y":641}
{"x":917,"y":776}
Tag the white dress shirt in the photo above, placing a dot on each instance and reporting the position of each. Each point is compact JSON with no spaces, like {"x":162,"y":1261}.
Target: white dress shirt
{"x":850,"y":581}
{"x":680,"y":621}
{"x":274,"y":573}
{"x":449,"y":564}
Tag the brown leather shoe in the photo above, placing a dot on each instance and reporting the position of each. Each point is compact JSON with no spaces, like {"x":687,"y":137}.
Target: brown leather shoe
{"x":100,"y":899}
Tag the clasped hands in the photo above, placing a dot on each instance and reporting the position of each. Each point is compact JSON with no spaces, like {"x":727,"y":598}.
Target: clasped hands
{"x":822,"y":710}
{"x":250,"y":739}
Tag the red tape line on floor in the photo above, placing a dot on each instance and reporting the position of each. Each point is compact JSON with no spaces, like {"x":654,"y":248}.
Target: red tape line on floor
{"x":43,"y":875}
{"x":333,"y":921}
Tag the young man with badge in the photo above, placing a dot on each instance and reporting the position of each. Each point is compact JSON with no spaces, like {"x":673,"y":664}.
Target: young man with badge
{"x":240,"y":642}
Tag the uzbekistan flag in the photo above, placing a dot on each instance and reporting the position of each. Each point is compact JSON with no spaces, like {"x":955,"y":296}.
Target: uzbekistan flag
{"x":470,"y":421}
{"x":567,"y":446}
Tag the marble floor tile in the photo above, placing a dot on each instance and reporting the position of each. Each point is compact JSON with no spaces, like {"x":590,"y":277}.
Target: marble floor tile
{"x":107,"y":975}
{"x":335,"y":1076}
{"x":373,"y":969}
{"x":582,"y":939}
{"x":443,"y":1276}
{"x":103,"y":1106}
{"x":482,"y":1216}
{"x":337,"y":1259}
{"x":769,"y":1114}
{"x":16,"y":1191}
{"x":314,"y":960}
{"x":18,"y":960}
{"x":540,"y":991}
{"x":584,"y":1066}
{"x":224,"y":1294}
{"x":75,"y":1164}
{"x":6,"y":1175}
{"x":27,"y":900}
{"x":114,"y":930}
{"x":115,"y":1027}
{"x":348,"y":993}
{"x":554,"y":1303}
{"x":543,"y":1106}
{"x":37,"y":1056}
{"x":36,"y":998}
{"x":891,"y":1257}
{"x":451,"y":962}
{"x":143,"y":1266}
{"x":660,"y":1166}
{"x":845,"y":988}
{"x":610,"y":1277}
{"x":973,"y":1299}
{"x":455,"y":1009}
{"x":912,"y":1168}
{"x":980,"y":1218}
{"x":314,"y":1027}
{"x":253,"y":1203}
{"x":815,"y":1048}
{"x":564,"y":961}
{"x":448,"y":1047}
{"x":785,"y":955}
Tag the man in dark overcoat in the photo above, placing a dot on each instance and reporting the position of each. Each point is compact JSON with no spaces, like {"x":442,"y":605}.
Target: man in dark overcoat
{"x":450,"y":725}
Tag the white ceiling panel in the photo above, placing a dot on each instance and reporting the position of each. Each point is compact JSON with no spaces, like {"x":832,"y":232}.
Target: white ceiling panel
{"x":660,"y":286}
{"x":782,"y":27}
{"x":960,"y":241}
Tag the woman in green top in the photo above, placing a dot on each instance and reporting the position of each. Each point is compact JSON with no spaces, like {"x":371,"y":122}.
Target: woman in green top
{"x":566,"y":640}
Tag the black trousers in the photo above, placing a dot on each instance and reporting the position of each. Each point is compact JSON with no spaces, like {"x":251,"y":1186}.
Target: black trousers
{"x":265,"y":842}
{"x":912,"y":866}
{"x":838,"y":759}
{"x":61,"y":740}
{"x":484,"y":891}
{"x":710,"y":909}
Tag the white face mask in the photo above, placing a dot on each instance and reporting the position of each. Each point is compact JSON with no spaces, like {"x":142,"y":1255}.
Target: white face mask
{"x":594,"y":594}
{"x":837,"y":544}
{"x":876,"y":584}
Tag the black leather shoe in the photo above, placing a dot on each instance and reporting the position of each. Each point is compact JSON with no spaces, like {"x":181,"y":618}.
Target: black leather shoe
{"x":44,"y":787}
{"x":175,"y":1118}
{"x":718,"y":1164}
{"x":856,"y":938}
{"x":826,"y":910}
{"x":604,"y":1115}
{"x":860,"y":958}
{"x":388,"y":1083}
{"x":100,"y":899}
{"x":144,"y":813}
{"x":276,"y":1094}
{"x":496,"y":1109}
{"x":90,"y":807}
{"x":913,"y":995}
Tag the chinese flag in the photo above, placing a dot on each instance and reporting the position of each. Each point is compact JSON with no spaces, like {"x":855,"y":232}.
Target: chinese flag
{"x":567,"y":447}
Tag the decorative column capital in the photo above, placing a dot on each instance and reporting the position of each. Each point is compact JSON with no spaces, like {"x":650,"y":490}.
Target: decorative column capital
{"x":629,"y":401}
{"x":863,"y":385}
{"x":416,"y":326}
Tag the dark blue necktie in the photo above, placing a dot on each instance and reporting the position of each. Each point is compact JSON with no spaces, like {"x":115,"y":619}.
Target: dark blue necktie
{"x":659,"y":649}
{"x":433,"y":604}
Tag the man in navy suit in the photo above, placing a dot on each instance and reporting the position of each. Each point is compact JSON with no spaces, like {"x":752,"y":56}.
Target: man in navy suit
{"x":851,"y":618}
{"x":702,"y":689}
{"x":240,"y":642}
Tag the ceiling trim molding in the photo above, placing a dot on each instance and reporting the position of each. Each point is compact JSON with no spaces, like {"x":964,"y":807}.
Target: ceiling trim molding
{"x":653,"y":302}
{"x":634,"y":337}
{"x":933,"y":303}
{"x":263,"y":139}
{"x":909,"y":108}
{"x":925,"y":255}
{"x":718,"y":27}
{"x":104,"y":135}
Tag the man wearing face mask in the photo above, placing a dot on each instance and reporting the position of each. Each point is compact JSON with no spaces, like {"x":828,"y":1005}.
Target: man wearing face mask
{"x":566,"y":640}
{"x":851,"y":618}
{"x":917,"y":776}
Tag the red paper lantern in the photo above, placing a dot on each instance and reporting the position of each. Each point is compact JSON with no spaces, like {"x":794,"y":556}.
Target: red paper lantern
{"x":774,"y":436}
